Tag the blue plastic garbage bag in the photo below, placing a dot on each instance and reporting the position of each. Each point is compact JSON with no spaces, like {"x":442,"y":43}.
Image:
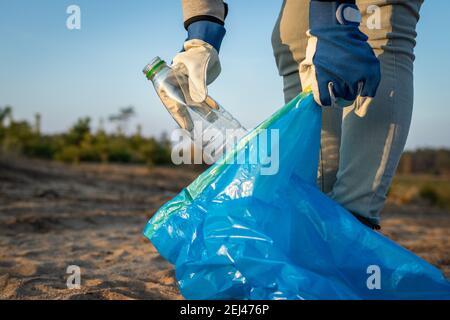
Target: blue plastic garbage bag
{"x":235,"y":233}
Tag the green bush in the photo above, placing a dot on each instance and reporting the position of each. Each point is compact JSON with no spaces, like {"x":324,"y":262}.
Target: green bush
{"x":41,"y":147}
{"x":119,"y":151}
{"x":69,"y":154}
{"x":429,"y":194}
{"x":79,"y":143}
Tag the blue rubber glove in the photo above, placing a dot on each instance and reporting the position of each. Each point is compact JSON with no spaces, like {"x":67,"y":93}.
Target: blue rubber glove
{"x":340,"y":65}
{"x":199,"y":59}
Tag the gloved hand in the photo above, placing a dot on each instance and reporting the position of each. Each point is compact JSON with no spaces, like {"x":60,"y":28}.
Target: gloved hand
{"x":340,"y":65}
{"x":200,"y":58}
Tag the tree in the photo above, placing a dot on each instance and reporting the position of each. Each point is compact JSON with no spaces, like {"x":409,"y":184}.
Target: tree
{"x":122,"y":118}
{"x":77,"y":133}
{"x":37,"y":123}
{"x":5,"y":114}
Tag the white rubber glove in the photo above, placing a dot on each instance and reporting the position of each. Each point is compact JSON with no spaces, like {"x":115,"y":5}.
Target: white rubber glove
{"x":200,"y":62}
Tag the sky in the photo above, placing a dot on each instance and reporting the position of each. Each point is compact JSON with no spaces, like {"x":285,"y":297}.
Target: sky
{"x":66,"y":74}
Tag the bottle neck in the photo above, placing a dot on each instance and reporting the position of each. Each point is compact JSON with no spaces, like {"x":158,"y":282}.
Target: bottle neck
{"x":152,"y":69}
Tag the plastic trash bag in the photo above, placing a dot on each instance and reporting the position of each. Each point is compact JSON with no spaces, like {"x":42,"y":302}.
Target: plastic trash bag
{"x":237,"y":234}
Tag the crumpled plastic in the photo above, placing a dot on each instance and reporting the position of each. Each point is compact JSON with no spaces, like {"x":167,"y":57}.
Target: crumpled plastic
{"x":237,"y":234}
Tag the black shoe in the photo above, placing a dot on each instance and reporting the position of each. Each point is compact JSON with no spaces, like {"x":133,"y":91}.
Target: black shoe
{"x":367,"y":222}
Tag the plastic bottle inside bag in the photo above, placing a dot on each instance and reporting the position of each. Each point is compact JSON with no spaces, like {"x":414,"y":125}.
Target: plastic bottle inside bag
{"x":208,"y":124}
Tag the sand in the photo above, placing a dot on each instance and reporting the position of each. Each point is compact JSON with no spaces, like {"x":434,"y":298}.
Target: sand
{"x":54,"y":215}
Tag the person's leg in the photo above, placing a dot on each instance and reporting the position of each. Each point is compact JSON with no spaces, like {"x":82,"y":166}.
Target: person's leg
{"x":289,"y":43}
{"x":371,"y":146}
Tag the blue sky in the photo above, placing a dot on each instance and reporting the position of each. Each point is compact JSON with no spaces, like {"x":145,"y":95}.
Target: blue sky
{"x":63,"y":74}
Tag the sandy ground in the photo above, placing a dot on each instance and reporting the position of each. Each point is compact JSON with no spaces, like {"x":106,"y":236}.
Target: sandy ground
{"x":54,"y":215}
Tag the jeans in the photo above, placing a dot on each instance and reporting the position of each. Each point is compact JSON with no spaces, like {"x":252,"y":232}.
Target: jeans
{"x":359,"y":155}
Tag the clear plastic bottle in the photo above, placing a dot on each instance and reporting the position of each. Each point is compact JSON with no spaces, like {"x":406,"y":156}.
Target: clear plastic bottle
{"x":208,"y":123}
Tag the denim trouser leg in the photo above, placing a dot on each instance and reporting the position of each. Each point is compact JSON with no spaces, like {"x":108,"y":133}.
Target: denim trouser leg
{"x":359,"y":156}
